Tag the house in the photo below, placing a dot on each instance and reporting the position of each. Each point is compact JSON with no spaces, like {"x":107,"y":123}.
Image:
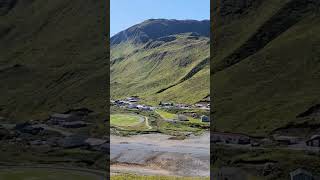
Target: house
{"x":286,"y":140}
{"x":182,"y":117}
{"x":166,"y":104}
{"x":232,"y":138}
{"x":314,"y":141}
{"x":132,"y":106}
{"x":133,"y":99}
{"x":205,"y":118}
{"x":143,"y":108}
{"x":74,"y":124}
{"x":301,"y":174}
{"x":57,"y":118}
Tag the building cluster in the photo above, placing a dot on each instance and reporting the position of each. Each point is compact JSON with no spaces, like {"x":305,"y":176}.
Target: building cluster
{"x":131,"y":103}
{"x":70,"y":119}
{"x":230,"y":138}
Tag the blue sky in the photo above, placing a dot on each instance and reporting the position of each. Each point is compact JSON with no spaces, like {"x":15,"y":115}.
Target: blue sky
{"x":126,"y":13}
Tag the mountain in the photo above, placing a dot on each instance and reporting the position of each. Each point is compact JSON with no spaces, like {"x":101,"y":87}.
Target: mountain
{"x":53,"y":57}
{"x":161,"y":60}
{"x":155,"y":28}
{"x":265,"y":66}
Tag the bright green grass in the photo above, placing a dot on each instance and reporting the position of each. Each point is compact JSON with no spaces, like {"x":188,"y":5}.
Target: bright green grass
{"x":147,"y":71}
{"x":136,"y":177}
{"x":125,"y":120}
{"x":268,"y":89}
{"x":166,"y":115}
{"x":46,"y":174}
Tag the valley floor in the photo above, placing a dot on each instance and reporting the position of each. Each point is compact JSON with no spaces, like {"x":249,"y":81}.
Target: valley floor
{"x":157,"y":154}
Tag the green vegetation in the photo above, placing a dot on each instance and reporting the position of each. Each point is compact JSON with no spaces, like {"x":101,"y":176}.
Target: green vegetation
{"x":166,"y":115}
{"x":137,"y":177}
{"x":253,"y":161}
{"x":19,"y":154}
{"x":125,"y":120}
{"x":161,"y":70}
{"x":54,"y":61}
{"x":46,"y":174}
{"x":179,"y":127}
{"x":265,"y":69}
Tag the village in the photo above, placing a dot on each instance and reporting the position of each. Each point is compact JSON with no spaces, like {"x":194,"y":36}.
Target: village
{"x":66,"y":130}
{"x":132,"y":103}
{"x":280,"y":144}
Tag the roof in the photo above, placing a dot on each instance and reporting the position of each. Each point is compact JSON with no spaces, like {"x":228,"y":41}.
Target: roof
{"x":300,"y":171}
{"x":57,"y":115}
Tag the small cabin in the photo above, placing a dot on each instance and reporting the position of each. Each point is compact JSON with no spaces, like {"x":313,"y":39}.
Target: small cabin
{"x":205,"y":118}
{"x":166,"y":104}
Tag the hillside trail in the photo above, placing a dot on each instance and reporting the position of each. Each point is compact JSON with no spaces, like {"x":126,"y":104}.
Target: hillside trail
{"x":147,"y":123}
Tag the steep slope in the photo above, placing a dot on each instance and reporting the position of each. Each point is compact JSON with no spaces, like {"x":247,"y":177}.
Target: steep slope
{"x":49,"y":60}
{"x":161,"y":60}
{"x":265,"y":66}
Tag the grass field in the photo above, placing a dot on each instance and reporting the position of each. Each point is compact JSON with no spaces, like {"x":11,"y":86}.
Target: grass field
{"x":46,"y":174}
{"x":136,"y":177}
{"x":166,"y":115}
{"x":125,"y":120}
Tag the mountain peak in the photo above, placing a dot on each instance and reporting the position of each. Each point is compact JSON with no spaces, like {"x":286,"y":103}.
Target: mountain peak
{"x":152,"y":29}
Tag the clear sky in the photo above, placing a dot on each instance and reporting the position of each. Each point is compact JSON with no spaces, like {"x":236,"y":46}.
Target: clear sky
{"x":126,"y":13}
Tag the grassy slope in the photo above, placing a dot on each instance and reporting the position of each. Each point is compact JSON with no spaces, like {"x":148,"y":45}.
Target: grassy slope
{"x":147,"y":71}
{"x":269,"y":88}
{"x":63,"y":60}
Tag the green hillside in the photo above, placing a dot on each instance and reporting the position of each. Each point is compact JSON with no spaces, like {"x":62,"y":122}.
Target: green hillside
{"x":168,"y":67}
{"x":265,"y":66}
{"x":53,"y":57}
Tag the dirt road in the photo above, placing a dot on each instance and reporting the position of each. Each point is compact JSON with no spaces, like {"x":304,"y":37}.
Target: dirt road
{"x":156,"y":154}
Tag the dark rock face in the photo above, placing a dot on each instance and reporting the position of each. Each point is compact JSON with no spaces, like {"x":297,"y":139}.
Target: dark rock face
{"x":156,"y":28}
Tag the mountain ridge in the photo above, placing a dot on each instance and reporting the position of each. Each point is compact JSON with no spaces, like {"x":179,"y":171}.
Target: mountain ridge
{"x":143,"y":32}
{"x":161,"y":53}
